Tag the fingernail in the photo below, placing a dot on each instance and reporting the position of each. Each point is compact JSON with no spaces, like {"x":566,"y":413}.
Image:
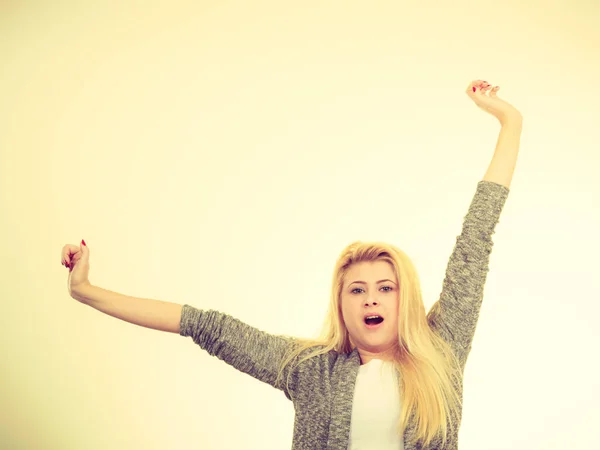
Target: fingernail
{"x":83,"y":242}
{"x":474,"y":89}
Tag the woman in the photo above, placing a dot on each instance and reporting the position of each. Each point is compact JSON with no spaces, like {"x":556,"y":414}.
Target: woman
{"x":383,"y":374}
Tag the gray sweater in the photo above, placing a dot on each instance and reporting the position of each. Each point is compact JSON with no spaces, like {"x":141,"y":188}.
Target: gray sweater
{"x":323,"y":386}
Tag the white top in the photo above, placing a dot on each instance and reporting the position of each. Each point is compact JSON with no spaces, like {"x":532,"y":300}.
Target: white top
{"x":376,"y":408}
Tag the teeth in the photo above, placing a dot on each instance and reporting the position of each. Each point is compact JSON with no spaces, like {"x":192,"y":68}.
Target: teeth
{"x":371,"y":317}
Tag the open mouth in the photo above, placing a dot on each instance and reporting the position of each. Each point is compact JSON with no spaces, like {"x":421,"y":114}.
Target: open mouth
{"x":373,"y":322}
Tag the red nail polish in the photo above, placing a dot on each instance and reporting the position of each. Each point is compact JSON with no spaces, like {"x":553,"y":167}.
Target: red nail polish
{"x":83,"y":242}
{"x":474,"y":89}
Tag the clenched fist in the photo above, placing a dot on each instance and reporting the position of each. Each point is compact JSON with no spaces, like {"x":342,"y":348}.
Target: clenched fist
{"x":76,"y":258}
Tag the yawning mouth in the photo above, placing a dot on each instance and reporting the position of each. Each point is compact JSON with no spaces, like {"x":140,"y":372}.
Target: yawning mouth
{"x":373,"y":320}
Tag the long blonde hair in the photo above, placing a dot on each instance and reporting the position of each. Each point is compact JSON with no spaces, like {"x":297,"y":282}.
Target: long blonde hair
{"x":430,"y":374}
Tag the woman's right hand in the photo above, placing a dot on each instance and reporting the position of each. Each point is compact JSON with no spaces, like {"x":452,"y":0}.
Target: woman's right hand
{"x":76,"y":258}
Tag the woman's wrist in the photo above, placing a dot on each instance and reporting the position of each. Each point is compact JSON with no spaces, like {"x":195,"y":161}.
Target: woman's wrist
{"x":81,"y":292}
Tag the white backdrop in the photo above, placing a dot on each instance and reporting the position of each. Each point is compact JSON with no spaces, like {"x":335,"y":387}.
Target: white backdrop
{"x":222,"y":154}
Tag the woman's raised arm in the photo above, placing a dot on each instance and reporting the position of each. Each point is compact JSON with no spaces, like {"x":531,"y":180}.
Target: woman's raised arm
{"x":155,"y":314}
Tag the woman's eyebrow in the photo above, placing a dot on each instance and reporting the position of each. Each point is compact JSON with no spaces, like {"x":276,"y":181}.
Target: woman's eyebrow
{"x":362,"y":282}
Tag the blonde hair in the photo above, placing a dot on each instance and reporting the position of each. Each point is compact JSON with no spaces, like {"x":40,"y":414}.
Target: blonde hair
{"x":430,"y":373}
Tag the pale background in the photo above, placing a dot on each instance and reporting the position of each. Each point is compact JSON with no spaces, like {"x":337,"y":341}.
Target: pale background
{"x":222,"y":154}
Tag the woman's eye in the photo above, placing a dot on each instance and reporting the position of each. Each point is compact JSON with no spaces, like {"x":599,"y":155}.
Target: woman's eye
{"x":386,"y":287}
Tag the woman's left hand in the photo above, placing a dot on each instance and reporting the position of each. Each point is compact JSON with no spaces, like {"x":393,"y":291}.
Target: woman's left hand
{"x":497,"y":107}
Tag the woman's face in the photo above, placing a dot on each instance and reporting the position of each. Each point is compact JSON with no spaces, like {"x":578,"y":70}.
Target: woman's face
{"x":371,"y":288}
